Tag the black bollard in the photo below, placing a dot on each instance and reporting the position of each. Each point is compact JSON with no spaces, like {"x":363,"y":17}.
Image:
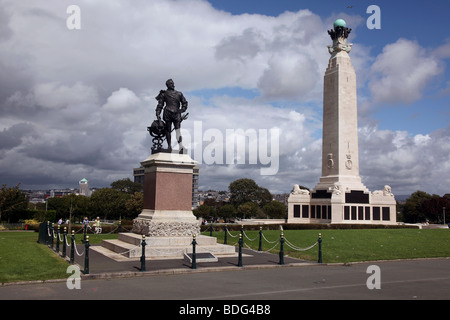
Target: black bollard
{"x":143,"y":253}
{"x":72,"y":248}
{"x":320,"y":248}
{"x":52,"y":232}
{"x":47,"y":237}
{"x":194,"y":255}
{"x":282,"y":248}
{"x":241,"y":242}
{"x":210,"y":229}
{"x":86,"y":255}
{"x":225,"y":236}
{"x":260,"y":239}
{"x":64,"y":243}
{"x":57,"y":239}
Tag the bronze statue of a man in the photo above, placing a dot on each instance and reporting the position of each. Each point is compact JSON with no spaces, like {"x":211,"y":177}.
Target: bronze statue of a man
{"x":174,"y":104}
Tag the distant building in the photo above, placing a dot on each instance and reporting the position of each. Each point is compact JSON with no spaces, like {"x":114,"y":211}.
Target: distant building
{"x":138,"y":174}
{"x":58,"y":193}
{"x":84,"y":188}
{"x":195,"y":176}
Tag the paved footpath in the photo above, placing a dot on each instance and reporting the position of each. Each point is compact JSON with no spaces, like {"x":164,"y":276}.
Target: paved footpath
{"x":420,"y":279}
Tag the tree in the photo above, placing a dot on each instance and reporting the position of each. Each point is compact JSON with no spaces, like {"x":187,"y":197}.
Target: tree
{"x":127,"y":186}
{"x":204,"y":211}
{"x":432,"y":209}
{"x":227,"y":211}
{"x":13,"y":202}
{"x":247,"y":210}
{"x":108,"y":203}
{"x":275,"y":210}
{"x":264,"y":197}
{"x":411,"y":209}
{"x":134,"y":205}
{"x":59,"y":205}
{"x":242,"y":191}
{"x":71,"y":207}
{"x":246,"y":190}
{"x":79,"y":207}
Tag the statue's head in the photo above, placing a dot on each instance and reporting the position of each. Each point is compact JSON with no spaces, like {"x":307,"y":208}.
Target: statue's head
{"x":170,"y":84}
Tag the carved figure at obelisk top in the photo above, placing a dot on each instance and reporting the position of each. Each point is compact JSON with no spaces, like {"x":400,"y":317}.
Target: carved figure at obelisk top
{"x":339,"y":36}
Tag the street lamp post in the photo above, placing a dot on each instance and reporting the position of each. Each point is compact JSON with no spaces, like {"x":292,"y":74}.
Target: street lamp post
{"x":443,"y":213}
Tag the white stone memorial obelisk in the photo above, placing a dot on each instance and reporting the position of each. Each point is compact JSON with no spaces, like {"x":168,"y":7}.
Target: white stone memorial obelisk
{"x":340,"y":161}
{"x":340,"y":196}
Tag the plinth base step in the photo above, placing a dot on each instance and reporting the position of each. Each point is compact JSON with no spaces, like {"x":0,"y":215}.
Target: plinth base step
{"x":200,"y":257}
{"x":128,"y":245}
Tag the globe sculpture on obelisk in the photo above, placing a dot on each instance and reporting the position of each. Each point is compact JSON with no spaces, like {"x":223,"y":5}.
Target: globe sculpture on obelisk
{"x":340,"y":196}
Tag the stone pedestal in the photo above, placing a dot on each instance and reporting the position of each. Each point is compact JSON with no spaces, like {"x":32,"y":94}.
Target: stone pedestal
{"x":166,"y":220}
{"x":167,"y":197}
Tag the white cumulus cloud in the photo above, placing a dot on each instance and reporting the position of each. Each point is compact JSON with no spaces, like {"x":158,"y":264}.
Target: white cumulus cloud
{"x":402,"y":72}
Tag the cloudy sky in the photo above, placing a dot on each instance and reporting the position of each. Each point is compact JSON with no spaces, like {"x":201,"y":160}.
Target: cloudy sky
{"x":75,"y":102}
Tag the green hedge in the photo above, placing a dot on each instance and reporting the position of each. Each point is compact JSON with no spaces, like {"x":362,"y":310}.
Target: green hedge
{"x":77,"y":228}
{"x":302,"y":226}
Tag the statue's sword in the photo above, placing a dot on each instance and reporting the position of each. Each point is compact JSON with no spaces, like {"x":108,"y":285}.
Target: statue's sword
{"x":182,"y":119}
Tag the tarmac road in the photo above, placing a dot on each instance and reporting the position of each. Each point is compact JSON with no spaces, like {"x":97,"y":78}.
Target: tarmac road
{"x":421,"y":279}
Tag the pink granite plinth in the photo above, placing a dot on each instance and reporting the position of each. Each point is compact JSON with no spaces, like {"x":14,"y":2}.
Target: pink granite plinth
{"x":167,"y":197}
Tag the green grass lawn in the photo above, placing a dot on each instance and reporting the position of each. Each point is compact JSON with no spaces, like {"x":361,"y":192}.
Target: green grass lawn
{"x":354,"y":245}
{"x":23,"y":259}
